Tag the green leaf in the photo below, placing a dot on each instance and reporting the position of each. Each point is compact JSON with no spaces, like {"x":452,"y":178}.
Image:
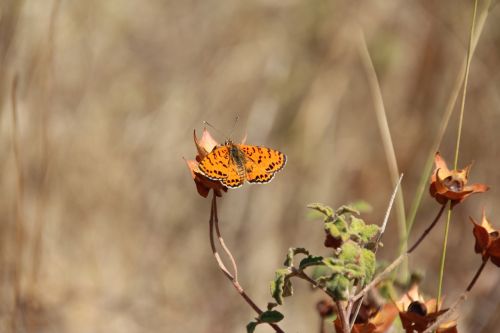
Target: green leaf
{"x":342,"y":226}
{"x":281,"y":286}
{"x":343,"y":210}
{"x":357,"y":225}
{"x":311,"y":261}
{"x":332,"y":229}
{"x":335,"y":265}
{"x":251,"y":326}
{"x":293,"y":251}
{"x":354,"y":271}
{"x":338,"y":286}
{"x":369,"y":232}
{"x":271,"y":305}
{"x":327,"y":211}
{"x":350,"y":252}
{"x":271,"y":316}
{"x":368,"y":264}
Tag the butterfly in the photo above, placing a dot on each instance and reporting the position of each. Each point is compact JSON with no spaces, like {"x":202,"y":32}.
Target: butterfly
{"x":232,"y":164}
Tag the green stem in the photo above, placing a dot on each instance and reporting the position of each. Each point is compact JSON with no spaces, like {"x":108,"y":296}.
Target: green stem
{"x":443,"y":256}
{"x":466,"y":79}
{"x":457,"y":149}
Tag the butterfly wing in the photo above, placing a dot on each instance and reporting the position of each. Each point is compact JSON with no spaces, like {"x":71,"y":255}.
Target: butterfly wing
{"x":218,"y":165}
{"x":262,"y":163}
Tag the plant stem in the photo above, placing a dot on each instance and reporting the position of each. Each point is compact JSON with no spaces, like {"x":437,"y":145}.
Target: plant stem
{"x":436,"y":219}
{"x":343,"y":317}
{"x":457,"y":148}
{"x":476,"y":276}
{"x":214,"y":224}
{"x":443,"y":257}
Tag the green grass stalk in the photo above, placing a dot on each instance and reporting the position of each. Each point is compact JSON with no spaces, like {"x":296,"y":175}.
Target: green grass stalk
{"x":457,"y":149}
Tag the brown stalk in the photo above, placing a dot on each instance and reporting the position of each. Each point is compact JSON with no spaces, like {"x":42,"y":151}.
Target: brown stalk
{"x":214,"y":224}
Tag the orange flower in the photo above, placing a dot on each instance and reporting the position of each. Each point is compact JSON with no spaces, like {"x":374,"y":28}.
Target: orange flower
{"x":452,"y":185}
{"x":417,"y":315}
{"x":371,"y":320}
{"x":487,"y":240}
{"x":204,"y":184}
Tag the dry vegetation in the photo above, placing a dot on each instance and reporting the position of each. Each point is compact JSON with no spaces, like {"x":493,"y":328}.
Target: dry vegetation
{"x":101,"y":227}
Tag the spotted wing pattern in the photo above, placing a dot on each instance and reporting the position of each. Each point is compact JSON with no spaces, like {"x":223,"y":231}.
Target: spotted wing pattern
{"x":261,"y":163}
{"x":218,"y":165}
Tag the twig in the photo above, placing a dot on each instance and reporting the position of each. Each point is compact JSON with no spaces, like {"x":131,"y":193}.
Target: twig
{"x":223,"y":244}
{"x":301,"y":274}
{"x":381,"y":276}
{"x":426,"y":231}
{"x":382,"y":230}
{"x":343,"y":317}
{"x":213,"y":224}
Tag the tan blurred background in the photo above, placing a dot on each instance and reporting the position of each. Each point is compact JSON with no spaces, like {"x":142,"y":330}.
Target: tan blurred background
{"x":101,"y":226}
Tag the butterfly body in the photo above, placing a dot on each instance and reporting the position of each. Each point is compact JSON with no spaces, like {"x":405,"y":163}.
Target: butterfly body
{"x":232,"y":164}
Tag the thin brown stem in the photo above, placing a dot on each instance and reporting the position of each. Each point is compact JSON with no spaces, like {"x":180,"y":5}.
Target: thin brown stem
{"x":223,"y":244}
{"x":214,"y":224}
{"x":343,"y":317}
{"x":304,"y":276}
{"x":476,"y":276}
{"x":426,"y":232}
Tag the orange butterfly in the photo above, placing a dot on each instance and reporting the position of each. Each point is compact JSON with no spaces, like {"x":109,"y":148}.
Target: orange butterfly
{"x":232,"y":164}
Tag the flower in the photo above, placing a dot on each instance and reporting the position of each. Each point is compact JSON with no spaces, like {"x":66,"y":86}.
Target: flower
{"x":487,"y":240}
{"x":452,"y":185}
{"x":372,"y":319}
{"x":203,"y":183}
{"x":417,"y":315}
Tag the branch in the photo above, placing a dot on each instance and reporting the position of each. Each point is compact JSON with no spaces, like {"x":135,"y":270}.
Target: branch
{"x":214,"y":224}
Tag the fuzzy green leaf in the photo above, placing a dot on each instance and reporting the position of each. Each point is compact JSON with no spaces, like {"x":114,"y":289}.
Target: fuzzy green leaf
{"x":369,"y":232}
{"x":271,"y":316}
{"x":271,"y":305}
{"x":350,"y":252}
{"x":341,"y":224}
{"x":357,"y":225}
{"x":368,"y":264}
{"x":311,"y":261}
{"x":332,"y":229}
{"x":338,"y":286}
{"x":281,"y":286}
{"x":343,"y":210}
{"x":251,"y":326}
{"x":323,"y":209}
{"x":293,"y":251}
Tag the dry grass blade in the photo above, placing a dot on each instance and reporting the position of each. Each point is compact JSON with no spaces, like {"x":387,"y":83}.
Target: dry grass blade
{"x":384,"y":131}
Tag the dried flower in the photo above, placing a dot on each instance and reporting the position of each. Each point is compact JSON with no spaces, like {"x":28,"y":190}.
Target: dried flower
{"x":417,"y":315}
{"x":487,"y":240}
{"x":452,"y":185}
{"x":203,"y":183}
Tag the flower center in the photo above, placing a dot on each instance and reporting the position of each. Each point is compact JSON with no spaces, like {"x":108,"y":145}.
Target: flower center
{"x":454,"y":185}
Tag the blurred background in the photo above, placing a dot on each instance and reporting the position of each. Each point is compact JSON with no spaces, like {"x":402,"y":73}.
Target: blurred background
{"x":102,"y":229}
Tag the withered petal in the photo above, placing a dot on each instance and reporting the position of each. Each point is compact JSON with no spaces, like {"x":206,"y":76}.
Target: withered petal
{"x":482,"y":237}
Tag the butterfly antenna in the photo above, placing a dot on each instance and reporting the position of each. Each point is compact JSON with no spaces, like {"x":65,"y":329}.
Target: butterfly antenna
{"x":213,"y":127}
{"x":234,"y":125}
